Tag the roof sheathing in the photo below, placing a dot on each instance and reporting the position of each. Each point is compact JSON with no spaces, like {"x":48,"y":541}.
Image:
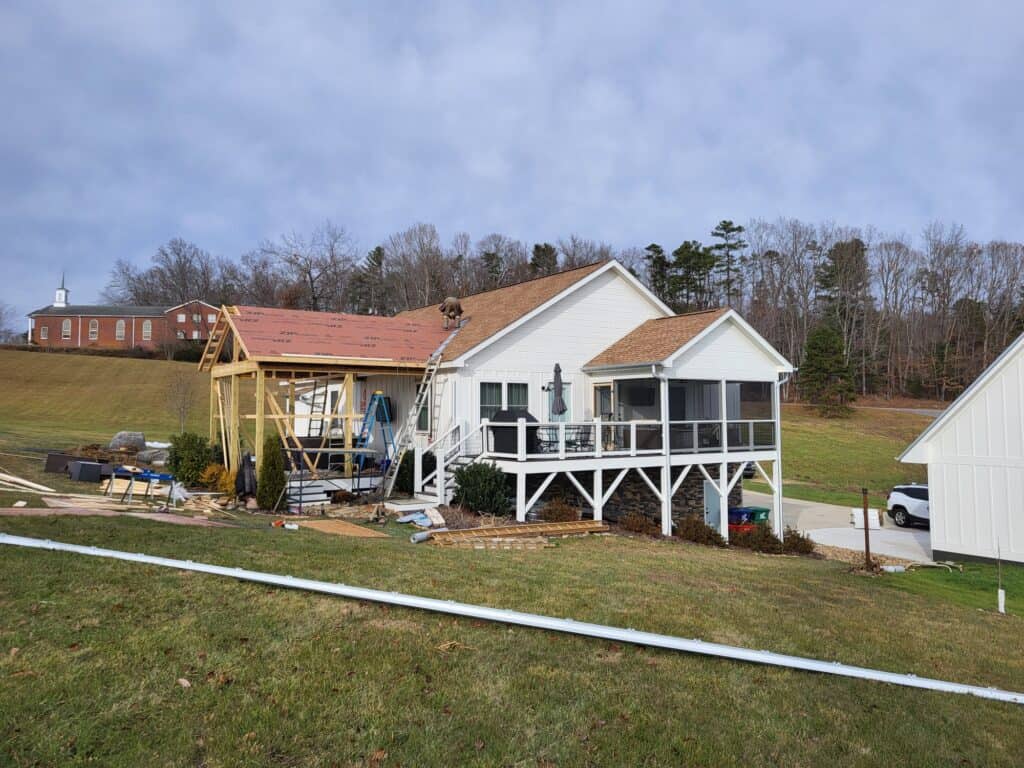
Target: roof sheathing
{"x":656,"y":340}
{"x":487,"y":314}
{"x":283,"y":333}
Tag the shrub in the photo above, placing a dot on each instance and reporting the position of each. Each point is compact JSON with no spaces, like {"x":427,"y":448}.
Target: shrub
{"x":216,"y":477}
{"x":795,"y":543}
{"x":483,"y":488}
{"x":271,"y":480}
{"x":558,"y":510}
{"x":696,"y":530}
{"x":761,"y":539}
{"x":188,"y":457}
{"x":404,"y":481}
{"x":637,"y":522}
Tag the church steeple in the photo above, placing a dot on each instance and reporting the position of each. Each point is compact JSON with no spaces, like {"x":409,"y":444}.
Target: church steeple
{"x":61,"y":299}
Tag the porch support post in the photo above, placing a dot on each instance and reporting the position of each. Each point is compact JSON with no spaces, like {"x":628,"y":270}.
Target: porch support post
{"x":598,"y":494}
{"x":521,"y":497}
{"x":439,"y":480}
{"x":723,"y":499}
{"x":666,"y":464}
{"x":417,"y":469}
{"x":348,"y":420}
{"x":777,"y":462}
{"x":213,"y":409}
{"x":261,"y":403}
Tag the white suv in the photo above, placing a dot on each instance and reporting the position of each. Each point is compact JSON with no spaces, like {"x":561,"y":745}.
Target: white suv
{"x":908,"y":504}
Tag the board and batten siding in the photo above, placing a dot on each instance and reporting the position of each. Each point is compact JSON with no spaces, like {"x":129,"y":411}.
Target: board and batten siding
{"x":976,"y":471}
{"x":726,"y":352}
{"x":571,"y":333}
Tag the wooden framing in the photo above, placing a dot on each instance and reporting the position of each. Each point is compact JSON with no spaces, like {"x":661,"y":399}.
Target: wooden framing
{"x":244,"y":389}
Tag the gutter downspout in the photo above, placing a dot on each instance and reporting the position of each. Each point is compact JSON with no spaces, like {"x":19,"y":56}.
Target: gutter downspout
{"x":666,"y":469}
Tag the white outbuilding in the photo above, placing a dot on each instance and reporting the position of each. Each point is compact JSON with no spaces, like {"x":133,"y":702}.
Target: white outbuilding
{"x":975,"y":458}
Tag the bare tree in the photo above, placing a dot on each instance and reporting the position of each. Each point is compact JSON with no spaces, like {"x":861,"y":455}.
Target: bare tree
{"x":7,"y":333}
{"x":181,"y":395}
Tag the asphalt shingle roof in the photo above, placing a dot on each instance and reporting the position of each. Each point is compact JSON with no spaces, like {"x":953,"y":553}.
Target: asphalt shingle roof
{"x":655,"y":340}
{"x":99,"y":310}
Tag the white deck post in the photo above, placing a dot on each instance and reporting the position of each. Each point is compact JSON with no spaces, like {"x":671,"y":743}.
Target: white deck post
{"x":561,"y":440}
{"x":598,"y":444}
{"x":521,"y":439}
{"x":666,"y":464}
{"x":417,"y":469}
{"x":598,"y":495}
{"x":723,"y":500}
{"x":777,"y":463}
{"x":521,"y":497}
{"x":439,"y":480}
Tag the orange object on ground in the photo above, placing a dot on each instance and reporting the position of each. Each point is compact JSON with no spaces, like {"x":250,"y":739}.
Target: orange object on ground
{"x":343,"y":528}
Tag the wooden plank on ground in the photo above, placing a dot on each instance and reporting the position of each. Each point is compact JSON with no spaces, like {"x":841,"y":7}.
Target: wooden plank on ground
{"x":526,"y":529}
{"x":343,"y":528}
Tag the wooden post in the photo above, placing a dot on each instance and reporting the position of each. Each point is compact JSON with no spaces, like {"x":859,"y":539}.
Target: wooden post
{"x":234,"y":422}
{"x":213,"y":409}
{"x":867,"y":536}
{"x":350,"y":394}
{"x":261,"y":402}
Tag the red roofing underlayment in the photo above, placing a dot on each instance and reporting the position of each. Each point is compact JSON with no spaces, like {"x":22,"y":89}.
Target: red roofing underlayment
{"x":285,"y":332}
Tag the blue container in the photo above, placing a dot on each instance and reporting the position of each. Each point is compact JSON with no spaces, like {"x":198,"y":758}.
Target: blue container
{"x":740,"y":515}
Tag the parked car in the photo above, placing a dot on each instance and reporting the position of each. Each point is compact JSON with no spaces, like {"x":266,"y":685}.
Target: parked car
{"x":908,"y":505}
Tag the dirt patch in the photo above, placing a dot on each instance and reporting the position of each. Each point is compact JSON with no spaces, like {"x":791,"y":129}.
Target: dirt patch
{"x":855,"y":558}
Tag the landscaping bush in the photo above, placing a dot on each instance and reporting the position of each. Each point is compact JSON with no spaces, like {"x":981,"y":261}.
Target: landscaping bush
{"x":404,"y":479}
{"x":795,"y":543}
{"x":216,"y":477}
{"x":637,"y":522}
{"x":188,"y":457}
{"x":271,"y":480}
{"x":558,"y":510}
{"x":483,"y":488}
{"x":761,"y":539}
{"x":696,"y":530}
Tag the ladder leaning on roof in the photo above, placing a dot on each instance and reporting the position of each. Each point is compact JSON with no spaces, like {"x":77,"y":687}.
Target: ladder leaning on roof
{"x":403,"y":441}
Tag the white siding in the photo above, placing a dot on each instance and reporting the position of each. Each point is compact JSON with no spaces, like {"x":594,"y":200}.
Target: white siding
{"x":726,"y":353}
{"x":976,"y":471}
{"x":569,"y":333}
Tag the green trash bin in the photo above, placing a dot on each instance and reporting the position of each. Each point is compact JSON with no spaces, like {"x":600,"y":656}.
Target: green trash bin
{"x":759,"y":514}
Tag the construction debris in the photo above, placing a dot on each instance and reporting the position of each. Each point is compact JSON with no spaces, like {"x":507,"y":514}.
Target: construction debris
{"x":506,"y":543}
{"x":343,"y":528}
{"x":573,"y":528}
{"x":20,"y":481}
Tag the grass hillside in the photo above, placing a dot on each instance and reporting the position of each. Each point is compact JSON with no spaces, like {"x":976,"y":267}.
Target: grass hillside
{"x":56,"y":400}
{"x":832,"y":459}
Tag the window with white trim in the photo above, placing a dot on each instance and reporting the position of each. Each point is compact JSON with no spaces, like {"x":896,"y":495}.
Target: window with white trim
{"x":65,"y":329}
{"x":180,"y":334}
{"x":197,"y":318}
{"x":147,"y":330}
{"x":423,"y":417}
{"x":94,"y":330}
{"x":44,"y":332}
{"x":119,"y":330}
{"x":490,"y":398}
{"x":211,"y":318}
{"x":496,"y":396}
{"x":181,"y":317}
{"x":195,"y":334}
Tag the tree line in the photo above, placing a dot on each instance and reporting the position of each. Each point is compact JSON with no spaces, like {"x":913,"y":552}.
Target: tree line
{"x":892,"y":315}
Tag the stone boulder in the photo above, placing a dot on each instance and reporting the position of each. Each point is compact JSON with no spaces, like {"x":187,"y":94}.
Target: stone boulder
{"x":130,"y":441}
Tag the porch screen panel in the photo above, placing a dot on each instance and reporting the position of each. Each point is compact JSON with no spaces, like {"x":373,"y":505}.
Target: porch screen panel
{"x":749,"y":400}
{"x":490,"y":398}
{"x":637,"y":399}
{"x":694,"y":400}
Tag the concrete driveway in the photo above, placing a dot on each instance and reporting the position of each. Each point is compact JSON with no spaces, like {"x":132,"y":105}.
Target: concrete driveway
{"x":829,"y":524}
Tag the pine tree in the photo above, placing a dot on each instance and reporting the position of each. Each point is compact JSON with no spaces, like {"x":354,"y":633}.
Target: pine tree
{"x":728,"y":251}
{"x":693,"y":266}
{"x":271,"y":480}
{"x":657,"y":271}
{"x":825,"y":377}
{"x":544,"y":260}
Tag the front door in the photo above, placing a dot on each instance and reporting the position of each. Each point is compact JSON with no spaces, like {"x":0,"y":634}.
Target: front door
{"x":712,"y":505}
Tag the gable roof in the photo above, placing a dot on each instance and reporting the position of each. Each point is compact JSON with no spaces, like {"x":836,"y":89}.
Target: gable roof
{"x":274,"y":333}
{"x":486,"y":314}
{"x":98,"y":310}
{"x":912,"y":455}
{"x":662,"y":340}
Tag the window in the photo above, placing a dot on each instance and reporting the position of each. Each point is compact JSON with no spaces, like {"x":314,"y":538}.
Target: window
{"x":423,"y":417}
{"x":147,"y":330}
{"x":44,"y":332}
{"x":119,"y":330}
{"x":603,"y":402}
{"x":197,"y":318}
{"x":195,"y":335}
{"x":211,"y":318}
{"x":694,"y":400}
{"x":566,"y":397}
{"x":65,"y":329}
{"x":180,"y":334}
{"x":490,"y":398}
{"x":517,"y":397}
{"x":748,"y":400}
{"x":94,"y":330}
{"x":181,"y":317}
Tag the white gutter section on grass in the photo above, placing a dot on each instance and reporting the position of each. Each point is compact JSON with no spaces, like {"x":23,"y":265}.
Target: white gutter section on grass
{"x":536,"y":621}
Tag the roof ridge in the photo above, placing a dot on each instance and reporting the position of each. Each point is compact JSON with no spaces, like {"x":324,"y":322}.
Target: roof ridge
{"x":519,"y":282}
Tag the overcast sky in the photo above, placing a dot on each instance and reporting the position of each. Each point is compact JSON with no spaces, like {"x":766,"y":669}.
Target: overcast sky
{"x":127,"y":124}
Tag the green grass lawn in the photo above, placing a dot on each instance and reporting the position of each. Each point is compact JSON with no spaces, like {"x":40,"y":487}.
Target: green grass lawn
{"x":59,"y":401}
{"x":830,"y":460}
{"x":291,"y":678}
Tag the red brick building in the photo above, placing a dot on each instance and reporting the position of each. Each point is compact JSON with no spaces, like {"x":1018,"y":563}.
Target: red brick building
{"x":103,"y":326}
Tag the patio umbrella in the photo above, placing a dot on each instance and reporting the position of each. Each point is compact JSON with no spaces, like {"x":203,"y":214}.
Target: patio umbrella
{"x":558,"y":406}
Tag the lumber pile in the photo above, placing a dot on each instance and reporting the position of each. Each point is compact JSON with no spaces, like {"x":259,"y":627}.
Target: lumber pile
{"x":573,"y":528}
{"x":503,"y":542}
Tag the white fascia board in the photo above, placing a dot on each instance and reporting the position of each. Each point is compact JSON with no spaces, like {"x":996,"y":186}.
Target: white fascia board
{"x":732,"y":315}
{"x":916,"y":452}
{"x":610,"y":266}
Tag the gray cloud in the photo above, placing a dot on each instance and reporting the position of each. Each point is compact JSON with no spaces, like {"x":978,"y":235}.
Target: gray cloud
{"x":130,"y":123}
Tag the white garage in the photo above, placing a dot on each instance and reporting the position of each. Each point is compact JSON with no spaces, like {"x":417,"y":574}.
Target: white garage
{"x":975,"y":458}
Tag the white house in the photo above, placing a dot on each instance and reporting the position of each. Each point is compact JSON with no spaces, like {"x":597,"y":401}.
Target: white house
{"x":975,"y":458}
{"x":657,"y":406}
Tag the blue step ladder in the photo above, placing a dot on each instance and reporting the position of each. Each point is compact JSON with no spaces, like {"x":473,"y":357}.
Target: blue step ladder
{"x":376,"y":411}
